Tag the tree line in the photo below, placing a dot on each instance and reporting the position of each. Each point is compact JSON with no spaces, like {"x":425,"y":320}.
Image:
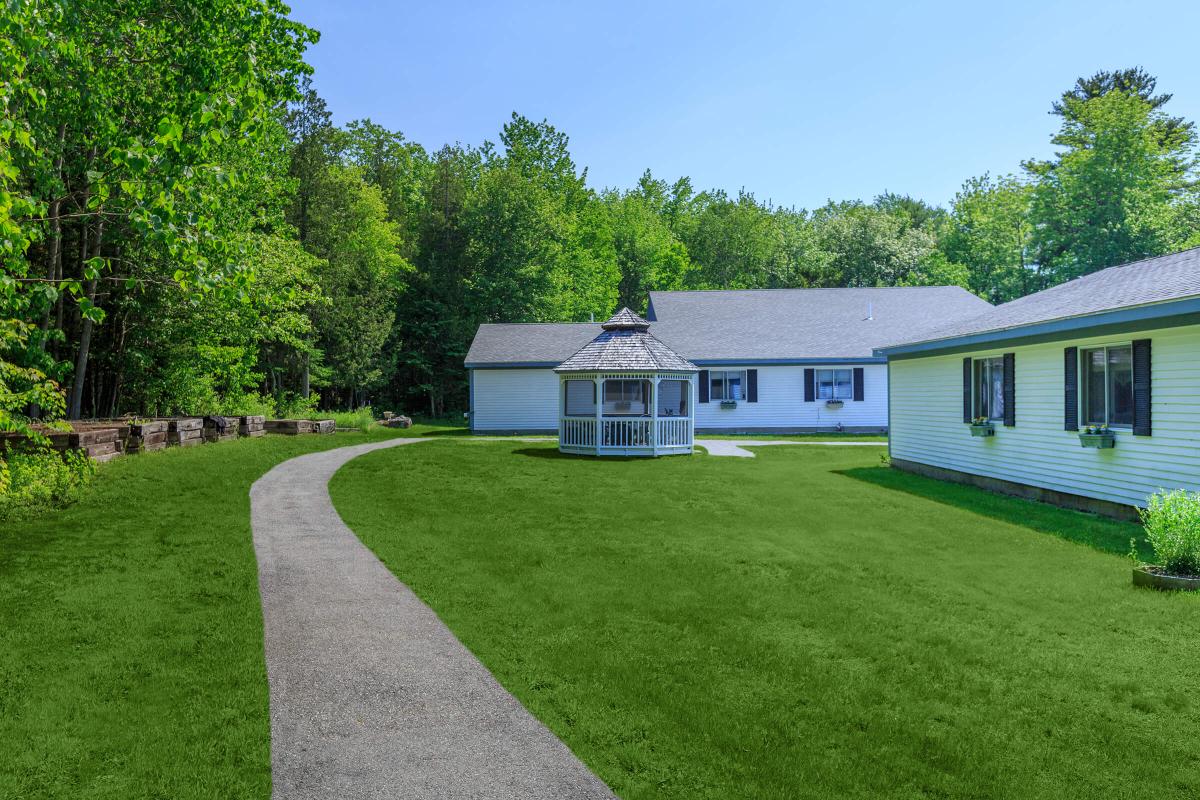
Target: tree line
{"x":184,"y":230}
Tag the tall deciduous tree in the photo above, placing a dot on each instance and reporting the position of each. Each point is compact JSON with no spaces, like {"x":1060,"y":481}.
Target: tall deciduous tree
{"x":989,"y":232}
{"x":360,"y":277}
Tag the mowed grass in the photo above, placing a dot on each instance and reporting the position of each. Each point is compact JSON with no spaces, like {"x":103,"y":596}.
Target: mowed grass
{"x":788,"y":627}
{"x":131,"y":654}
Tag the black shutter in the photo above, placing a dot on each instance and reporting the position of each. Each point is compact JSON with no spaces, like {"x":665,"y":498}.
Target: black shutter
{"x":1071,"y":389}
{"x":810,"y":385}
{"x":703,"y":386}
{"x":1141,"y":387}
{"x":751,"y":386}
{"x":858,"y":384}
{"x":1010,"y":389}
{"x":968,"y":412}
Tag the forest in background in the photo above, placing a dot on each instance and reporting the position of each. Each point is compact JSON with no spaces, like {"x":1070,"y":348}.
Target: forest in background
{"x":184,"y":230}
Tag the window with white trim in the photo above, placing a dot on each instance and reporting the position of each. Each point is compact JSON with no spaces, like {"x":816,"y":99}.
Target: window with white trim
{"x":726,"y":385}
{"x":989,"y":388}
{"x":835,"y":384}
{"x":1106,"y":385}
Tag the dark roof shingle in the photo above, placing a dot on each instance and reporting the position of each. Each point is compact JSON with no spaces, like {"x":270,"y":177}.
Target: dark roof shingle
{"x":1153,"y":280}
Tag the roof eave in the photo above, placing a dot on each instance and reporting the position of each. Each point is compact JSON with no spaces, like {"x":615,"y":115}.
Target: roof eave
{"x":1167,"y":314}
{"x":510,"y":364}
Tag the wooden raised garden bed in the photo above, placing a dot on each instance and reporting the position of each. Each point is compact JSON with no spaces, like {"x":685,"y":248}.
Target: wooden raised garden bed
{"x":220,"y":429}
{"x":291,"y":427}
{"x":294,"y":427}
{"x":99,"y":443}
{"x":252,"y":425}
{"x":184,"y":431}
{"x":135,"y":435}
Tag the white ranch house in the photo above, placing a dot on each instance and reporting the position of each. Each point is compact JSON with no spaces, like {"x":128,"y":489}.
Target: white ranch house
{"x":1116,"y":352}
{"x":772,"y":361}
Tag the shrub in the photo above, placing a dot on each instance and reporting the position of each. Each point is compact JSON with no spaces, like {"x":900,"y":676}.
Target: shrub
{"x":1172,"y":521}
{"x":37,"y":480}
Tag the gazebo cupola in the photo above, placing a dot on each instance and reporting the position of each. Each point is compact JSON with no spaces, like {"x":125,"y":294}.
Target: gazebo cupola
{"x":625,"y":393}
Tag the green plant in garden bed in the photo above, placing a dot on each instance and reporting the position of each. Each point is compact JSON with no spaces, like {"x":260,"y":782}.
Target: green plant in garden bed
{"x":1172,"y":523}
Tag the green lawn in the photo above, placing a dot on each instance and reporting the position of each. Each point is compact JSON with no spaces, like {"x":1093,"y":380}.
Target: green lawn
{"x":803,"y":624}
{"x":131,"y":656}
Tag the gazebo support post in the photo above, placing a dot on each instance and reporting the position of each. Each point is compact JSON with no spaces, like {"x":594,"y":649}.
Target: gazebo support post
{"x":654,"y":414}
{"x":599,"y":381}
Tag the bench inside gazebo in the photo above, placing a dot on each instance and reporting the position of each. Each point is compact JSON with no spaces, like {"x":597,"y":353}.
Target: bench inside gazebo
{"x":626,"y":393}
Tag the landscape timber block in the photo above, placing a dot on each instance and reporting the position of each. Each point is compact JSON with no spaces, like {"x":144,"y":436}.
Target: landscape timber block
{"x":326,"y":426}
{"x":251,"y":425}
{"x":184,"y":431}
{"x":102,"y":444}
{"x":290,"y":427}
{"x":214,"y":432}
{"x":138,"y":436}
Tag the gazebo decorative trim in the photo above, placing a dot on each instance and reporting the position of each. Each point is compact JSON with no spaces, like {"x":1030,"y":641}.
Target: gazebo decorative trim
{"x":626,"y":393}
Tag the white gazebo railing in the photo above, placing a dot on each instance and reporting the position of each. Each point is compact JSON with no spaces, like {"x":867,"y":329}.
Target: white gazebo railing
{"x":627,"y":413}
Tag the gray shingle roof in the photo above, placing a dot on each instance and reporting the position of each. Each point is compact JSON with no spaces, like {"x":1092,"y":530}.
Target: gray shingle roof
{"x":1146,"y":282}
{"x":544,"y":344}
{"x":625,"y":344}
{"x":802,"y":324}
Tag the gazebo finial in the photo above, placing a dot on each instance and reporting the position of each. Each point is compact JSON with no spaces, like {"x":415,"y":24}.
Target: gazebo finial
{"x":625,"y":320}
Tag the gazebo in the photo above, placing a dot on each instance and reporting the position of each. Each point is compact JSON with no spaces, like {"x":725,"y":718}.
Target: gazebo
{"x":625,"y":393}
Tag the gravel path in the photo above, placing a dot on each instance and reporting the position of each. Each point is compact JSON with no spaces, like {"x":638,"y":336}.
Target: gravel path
{"x":371,"y":694}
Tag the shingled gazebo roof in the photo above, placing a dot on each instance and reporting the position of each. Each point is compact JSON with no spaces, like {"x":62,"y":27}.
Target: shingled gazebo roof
{"x":626,"y":345}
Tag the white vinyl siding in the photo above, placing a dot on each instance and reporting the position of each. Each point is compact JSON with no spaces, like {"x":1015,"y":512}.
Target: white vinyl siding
{"x":926,"y":422}
{"x":781,"y":403}
{"x":515,"y":400}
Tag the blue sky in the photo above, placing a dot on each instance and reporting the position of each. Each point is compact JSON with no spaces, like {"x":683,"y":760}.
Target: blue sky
{"x":796,"y":102}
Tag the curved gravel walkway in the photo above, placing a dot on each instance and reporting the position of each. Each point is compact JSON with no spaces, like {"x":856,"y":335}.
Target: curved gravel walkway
{"x":372,"y":696}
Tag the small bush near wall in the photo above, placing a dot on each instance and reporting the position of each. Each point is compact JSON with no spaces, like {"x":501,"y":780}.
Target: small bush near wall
{"x":1172,"y":521}
{"x":38,"y":480}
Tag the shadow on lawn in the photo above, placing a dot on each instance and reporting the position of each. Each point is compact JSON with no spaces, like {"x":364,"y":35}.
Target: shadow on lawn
{"x":1107,"y":535}
{"x":555,"y":453}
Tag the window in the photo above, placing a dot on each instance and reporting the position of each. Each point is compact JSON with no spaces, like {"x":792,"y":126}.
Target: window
{"x":1107,"y":386}
{"x":581,"y":398}
{"x":673,"y":398}
{"x":626,"y":398}
{"x":989,"y":388}
{"x":726,"y":385}
{"x":835,"y":384}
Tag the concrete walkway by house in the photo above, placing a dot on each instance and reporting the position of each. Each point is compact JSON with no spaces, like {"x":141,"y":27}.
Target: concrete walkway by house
{"x":371,"y":694}
{"x":729,"y":447}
